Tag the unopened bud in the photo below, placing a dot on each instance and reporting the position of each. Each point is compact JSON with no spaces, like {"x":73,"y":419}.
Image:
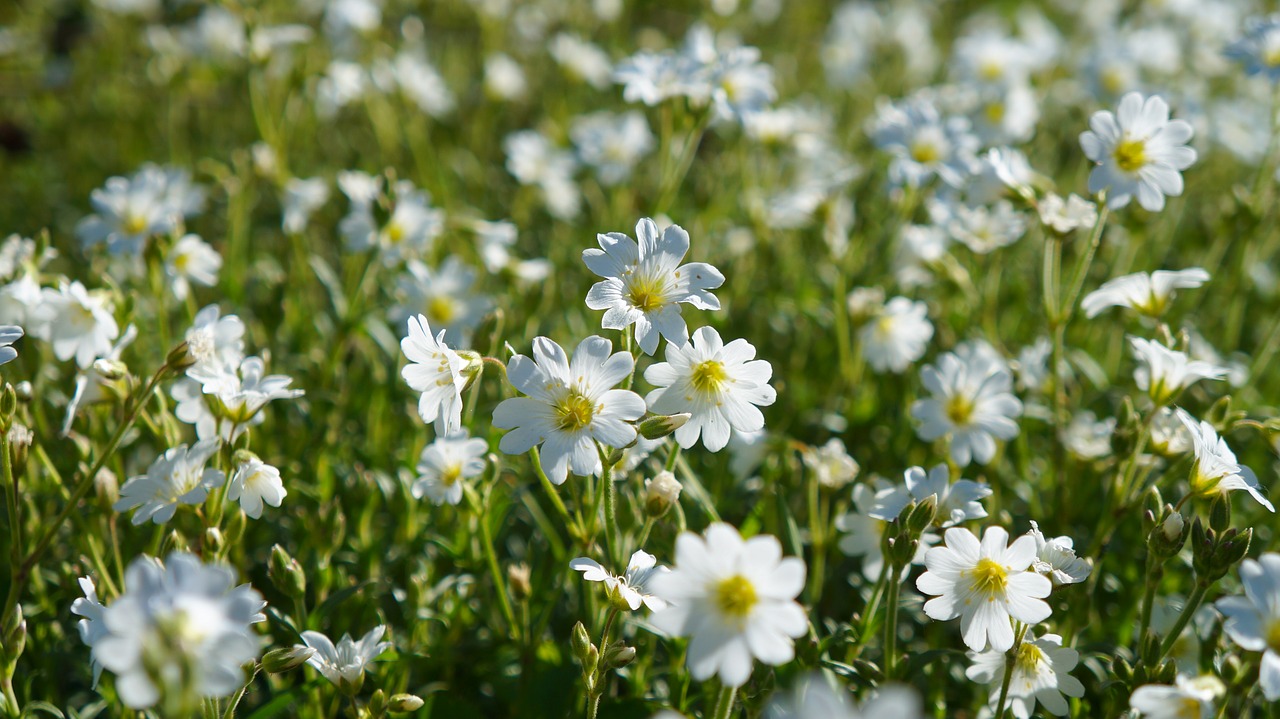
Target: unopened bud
{"x":472,"y":369}
{"x":619,"y":655}
{"x":8,"y":405}
{"x":174,"y":542}
{"x":660,"y":426}
{"x":287,"y":574}
{"x":661,"y":493}
{"x":20,"y":439}
{"x":401,"y":703}
{"x":13,"y":640}
{"x":25,"y":391}
{"x":278,"y":661}
{"x":922,"y":515}
{"x":518,"y":575}
{"x":1173,"y":527}
{"x":106,"y":487}
{"x":110,"y":370}
{"x":214,"y":540}
{"x":581,"y":641}
{"x":243,"y":456}
{"x":1220,"y":513}
{"x":377,"y":706}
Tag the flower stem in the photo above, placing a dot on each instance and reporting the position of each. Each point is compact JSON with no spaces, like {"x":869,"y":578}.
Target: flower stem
{"x":491,"y":558}
{"x":551,"y":491}
{"x":724,"y":703}
{"x":1009,"y":661}
{"x":611,"y":538}
{"x":1193,"y":603}
{"x":891,"y":622}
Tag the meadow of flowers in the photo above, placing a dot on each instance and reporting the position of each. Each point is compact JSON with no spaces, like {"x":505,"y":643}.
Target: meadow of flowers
{"x":593,"y":358}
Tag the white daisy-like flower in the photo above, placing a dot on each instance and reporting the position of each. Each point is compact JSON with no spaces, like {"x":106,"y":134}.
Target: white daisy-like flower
{"x":814,"y":698}
{"x":1253,"y":620}
{"x":924,"y":143}
{"x":862,"y":534}
{"x":721,"y":385}
{"x":957,"y":501}
{"x":302,"y":197}
{"x":344,"y":665}
{"x":570,"y":406}
{"x":435,"y":370}
{"x":214,"y":340}
{"x":1188,"y":698}
{"x":1169,"y":437}
{"x":1067,"y":215}
{"x":1145,"y":293}
{"x":128,"y":211}
{"x":631,"y":587}
{"x":176,"y":477}
{"x":1259,"y":48}
{"x":831,"y":464}
{"x":1056,"y":559}
{"x":78,"y":323}
{"x":533,"y":160}
{"x":192,"y":260}
{"x":1088,"y":437}
{"x":91,"y":627}
{"x":504,"y":78}
{"x":984,"y":229}
{"x":972,"y":405}
{"x":8,"y":335}
{"x":241,"y":392}
{"x":1164,"y":373}
{"x":445,"y":296}
{"x":612,"y":144}
{"x":897,"y":335}
{"x":253,"y":484}
{"x":581,"y":59}
{"x":180,"y":614}
{"x":644,"y":283}
{"x":1040,"y":674}
{"x":1138,"y":151}
{"x":735,"y":599}
{"x":985,"y":584}
{"x":1216,"y":470}
{"x":445,"y":463}
{"x":741,"y":84}
{"x":412,"y":227}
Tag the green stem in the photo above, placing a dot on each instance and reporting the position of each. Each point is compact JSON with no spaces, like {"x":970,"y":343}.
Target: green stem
{"x":724,"y":703}
{"x":1193,"y":603}
{"x":551,"y":491}
{"x":611,"y":539}
{"x":1148,"y":597}
{"x":1082,"y":269}
{"x":491,"y":558}
{"x":1010,"y":661}
{"x":873,"y":604}
{"x":891,"y":622}
{"x":597,"y":685}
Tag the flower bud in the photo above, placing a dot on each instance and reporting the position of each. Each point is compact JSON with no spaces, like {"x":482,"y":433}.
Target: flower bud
{"x":278,"y":661}
{"x":179,"y":358}
{"x":214,"y":540}
{"x":377,"y":705}
{"x":20,"y":439}
{"x":8,"y":405}
{"x":106,"y":487}
{"x":1173,"y":527}
{"x":581,"y":642}
{"x":518,"y":575}
{"x":661,"y":493}
{"x":922,"y":515}
{"x":1220,"y":513}
{"x":13,"y":639}
{"x":660,"y":426}
{"x":25,"y":391}
{"x":619,"y":655}
{"x":174,"y":542}
{"x":401,"y":703}
{"x":286,"y":574}
{"x":110,"y":370}
{"x":243,"y":456}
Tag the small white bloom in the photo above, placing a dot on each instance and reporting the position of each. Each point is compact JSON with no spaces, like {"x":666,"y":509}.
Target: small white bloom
{"x":735,"y":598}
{"x":1259,"y":50}
{"x":1056,"y":559}
{"x":863,"y":533}
{"x":1088,"y":437}
{"x":445,"y":296}
{"x":632,"y":587}
{"x":445,"y":463}
{"x":814,"y":698}
{"x":644,"y":283}
{"x":1138,"y":151}
{"x":1148,"y":294}
{"x":897,"y":336}
{"x":345,"y":664}
{"x":1067,"y":215}
{"x":176,"y":477}
{"x":78,"y":323}
{"x":612,"y":144}
{"x":241,"y":392}
{"x":92,"y":628}
{"x":972,"y":404}
{"x":581,"y":59}
{"x":191,"y":260}
{"x":1169,"y":437}
{"x":435,"y":370}
{"x":302,"y":197}
{"x":215,"y":341}
{"x":1216,"y":470}
{"x":1039,"y":675}
{"x":721,"y":386}
{"x":983,"y":229}
{"x":504,"y":78}
{"x":741,"y":84}
{"x":1187,"y":699}
{"x":1164,"y":373}
{"x":571,"y":405}
{"x":923,"y":143}
{"x":533,"y":160}
{"x":984,"y":584}
{"x":8,"y":335}
{"x":254,"y":483}
{"x":831,"y":464}
{"x":957,"y":501}
{"x":1253,"y":620}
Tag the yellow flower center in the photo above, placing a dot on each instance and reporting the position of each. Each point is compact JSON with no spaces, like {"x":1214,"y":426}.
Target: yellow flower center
{"x":990,"y":71}
{"x":959,"y":410}
{"x":442,"y":310}
{"x":994,"y":113}
{"x":182,"y":262}
{"x":133,"y":224}
{"x":1029,"y":658}
{"x":925,"y":152}
{"x":884,"y":325}
{"x":451,"y":475}
{"x":1131,"y":155}
{"x":574,"y":412}
{"x":1273,"y":635}
{"x":1112,"y":80}
{"x":395,"y":233}
{"x":708,"y":376}
{"x":735,"y":597}
{"x":989,"y":578}
{"x":1271,"y":57}
{"x":1189,"y":708}
{"x":645,"y":294}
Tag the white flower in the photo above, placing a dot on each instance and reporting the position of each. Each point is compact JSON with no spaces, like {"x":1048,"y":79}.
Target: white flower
{"x":302,"y":197}
{"x":1056,"y":559}
{"x":1169,"y":436}
{"x":191,"y":260}
{"x":1253,"y":620}
{"x":179,"y":629}
{"x":1067,"y":215}
{"x":923,"y":143}
{"x":1039,"y":675}
{"x":92,"y":628}
{"x":419,"y":81}
{"x":359,"y":229}
{"x":735,"y":599}
{"x":957,"y":501}
{"x":897,"y":336}
{"x":1216,"y":469}
{"x":445,"y":463}
{"x":814,"y":698}
{"x":344,"y":665}
{"x":831,"y":464}
{"x":1164,"y":373}
{"x":22,"y":302}
{"x":8,"y":335}
{"x":1148,"y":294}
{"x":983,"y":229}
{"x":1088,"y":437}
{"x":254,"y":483}
{"x":570,"y":406}
{"x":176,"y":477}
{"x":721,"y":386}
{"x":971,"y":404}
{"x":984,"y":584}
{"x":612,"y":144}
{"x":644,"y":283}
{"x":1259,"y":49}
{"x":241,"y":392}
{"x":215,"y":341}
{"x":504,"y":78}
{"x":533,"y":160}
{"x":445,"y":296}
{"x":1187,"y":699}
{"x":78,"y":323}
{"x":581,"y":59}
{"x":632,"y":587}
{"x":129,"y":211}
{"x":435,"y":370}
{"x":1138,"y":151}
{"x":741,"y":84}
